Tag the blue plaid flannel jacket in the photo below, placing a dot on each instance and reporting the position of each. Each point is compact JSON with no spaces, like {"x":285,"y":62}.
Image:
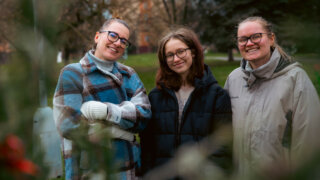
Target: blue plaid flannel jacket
{"x":125,"y":96}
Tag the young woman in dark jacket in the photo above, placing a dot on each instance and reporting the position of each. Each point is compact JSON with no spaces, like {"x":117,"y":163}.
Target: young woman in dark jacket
{"x":187,"y":103}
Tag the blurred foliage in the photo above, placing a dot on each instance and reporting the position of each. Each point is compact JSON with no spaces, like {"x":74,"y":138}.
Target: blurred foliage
{"x":13,"y":164}
{"x":31,"y":33}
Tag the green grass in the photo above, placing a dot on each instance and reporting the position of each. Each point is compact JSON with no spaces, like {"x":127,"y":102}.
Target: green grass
{"x":221,"y":69}
{"x":308,"y":64}
{"x":148,"y":78}
{"x":141,"y":60}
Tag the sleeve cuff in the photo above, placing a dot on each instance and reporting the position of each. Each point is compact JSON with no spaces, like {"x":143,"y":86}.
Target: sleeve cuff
{"x":114,"y":113}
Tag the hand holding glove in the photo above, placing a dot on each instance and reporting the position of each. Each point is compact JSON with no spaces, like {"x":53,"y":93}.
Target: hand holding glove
{"x":94,"y":110}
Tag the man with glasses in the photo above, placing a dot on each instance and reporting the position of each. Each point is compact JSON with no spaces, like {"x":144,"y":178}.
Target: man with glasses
{"x":97,"y":99}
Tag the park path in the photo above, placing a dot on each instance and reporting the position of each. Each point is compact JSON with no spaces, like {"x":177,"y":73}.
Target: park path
{"x":224,"y":58}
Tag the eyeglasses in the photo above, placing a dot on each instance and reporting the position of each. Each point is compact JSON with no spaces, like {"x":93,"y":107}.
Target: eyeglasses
{"x":254,"y":38}
{"x":113,"y":37}
{"x":181,"y":53}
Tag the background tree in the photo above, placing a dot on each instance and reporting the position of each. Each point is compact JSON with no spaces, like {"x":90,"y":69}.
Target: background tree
{"x":217,"y":21}
{"x":166,"y":14}
{"x":301,"y":26}
{"x":78,"y":22}
{"x":80,"y":19}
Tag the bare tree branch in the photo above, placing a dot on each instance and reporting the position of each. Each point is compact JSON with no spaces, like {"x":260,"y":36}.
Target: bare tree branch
{"x":173,"y":4}
{"x":167,"y":10}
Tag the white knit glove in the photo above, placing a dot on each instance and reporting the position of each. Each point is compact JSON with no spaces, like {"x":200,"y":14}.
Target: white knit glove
{"x":94,"y":110}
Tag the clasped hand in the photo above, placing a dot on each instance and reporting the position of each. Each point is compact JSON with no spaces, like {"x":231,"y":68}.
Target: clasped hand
{"x":94,"y":110}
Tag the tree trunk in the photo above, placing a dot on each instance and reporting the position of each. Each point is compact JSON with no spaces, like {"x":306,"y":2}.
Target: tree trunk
{"x":66,"y":55}
{"x":230,"y":55}
{"x":185,"y":12}
{"x":174,"y":12}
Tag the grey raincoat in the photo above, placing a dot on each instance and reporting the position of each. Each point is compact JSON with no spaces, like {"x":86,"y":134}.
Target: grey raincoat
{"x":276,"y":114}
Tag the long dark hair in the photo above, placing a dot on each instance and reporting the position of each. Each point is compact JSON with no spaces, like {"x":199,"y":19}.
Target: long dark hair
{"x":170,"y":79}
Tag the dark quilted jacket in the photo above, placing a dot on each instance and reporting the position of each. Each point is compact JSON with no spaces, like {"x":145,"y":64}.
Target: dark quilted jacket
{"x":207,"y":106}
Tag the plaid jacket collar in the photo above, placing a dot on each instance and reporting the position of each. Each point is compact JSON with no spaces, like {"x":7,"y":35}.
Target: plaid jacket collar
{"x":89,"y":66}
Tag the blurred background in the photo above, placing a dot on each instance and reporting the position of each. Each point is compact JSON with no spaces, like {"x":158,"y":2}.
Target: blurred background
{"x":39,"y":37}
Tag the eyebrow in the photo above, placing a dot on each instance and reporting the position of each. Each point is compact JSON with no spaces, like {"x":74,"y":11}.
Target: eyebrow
{"x":179,"y":49}
{"x":252,"y":34}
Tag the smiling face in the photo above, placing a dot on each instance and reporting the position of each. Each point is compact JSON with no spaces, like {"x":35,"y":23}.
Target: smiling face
{"x":256,"y":53}
{"x":179,"y":65}
{"x":106,"y":49}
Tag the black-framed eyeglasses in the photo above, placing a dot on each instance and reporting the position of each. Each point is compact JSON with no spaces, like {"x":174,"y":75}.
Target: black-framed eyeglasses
{"x":181,"y":53}
{"x":254,"y":38}
{"x":113,"y":37}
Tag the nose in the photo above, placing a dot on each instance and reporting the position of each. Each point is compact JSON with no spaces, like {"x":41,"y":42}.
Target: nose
{"x":176,"y":57}
{"x":117,"y":42}
{"x":249,"y":42}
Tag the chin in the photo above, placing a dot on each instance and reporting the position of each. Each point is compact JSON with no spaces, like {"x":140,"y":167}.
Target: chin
{"x":250,"y":58}
{"x":112,"y":58}
{"x":181,"y":72}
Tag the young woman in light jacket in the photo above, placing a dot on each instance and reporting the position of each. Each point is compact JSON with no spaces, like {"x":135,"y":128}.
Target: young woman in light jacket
{"x":276,"y":109}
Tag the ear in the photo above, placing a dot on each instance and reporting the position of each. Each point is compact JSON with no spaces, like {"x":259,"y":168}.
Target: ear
{"x":272,"y":39}
{"x":96,"y":37}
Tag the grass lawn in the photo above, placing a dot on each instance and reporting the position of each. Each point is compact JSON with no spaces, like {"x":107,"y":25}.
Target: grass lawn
{"x":311,"y":64}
